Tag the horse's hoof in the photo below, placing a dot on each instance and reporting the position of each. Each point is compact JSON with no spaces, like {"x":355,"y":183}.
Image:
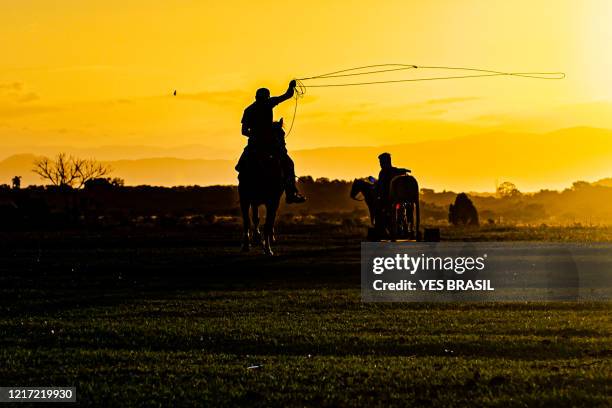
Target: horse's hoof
{"x":256,"y":237}
{"x":268,"y":251}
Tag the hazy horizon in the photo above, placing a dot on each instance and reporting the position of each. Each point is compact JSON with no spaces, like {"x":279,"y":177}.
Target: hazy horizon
{"x":480,"y":162}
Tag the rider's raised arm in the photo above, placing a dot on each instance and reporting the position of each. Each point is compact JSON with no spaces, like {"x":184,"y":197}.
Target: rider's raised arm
{"x":275,"y":100}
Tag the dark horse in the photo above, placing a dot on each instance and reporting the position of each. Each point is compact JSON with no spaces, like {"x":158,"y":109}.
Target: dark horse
{"x":405,"y":210}
{"x":402,"y":216}
{"x":262,"y":183}
{"x":368,"y":190}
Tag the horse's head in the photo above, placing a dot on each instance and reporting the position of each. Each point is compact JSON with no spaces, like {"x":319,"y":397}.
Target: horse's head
{"x":362,"y":186}
{"x":277,"y":128}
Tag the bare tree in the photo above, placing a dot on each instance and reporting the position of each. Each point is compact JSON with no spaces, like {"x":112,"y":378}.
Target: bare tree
{"x":68,"y":171}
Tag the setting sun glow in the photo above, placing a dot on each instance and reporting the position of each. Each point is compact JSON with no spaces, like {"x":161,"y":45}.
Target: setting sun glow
{"x":96,"y":78}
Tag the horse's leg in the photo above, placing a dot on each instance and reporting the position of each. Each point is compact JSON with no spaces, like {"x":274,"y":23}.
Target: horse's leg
{"x":403,"y":216}
{"x":268,"y":235}
{"x":246,"y":225}
{"x":410,"y":221}
{"x":418,"y":220}
{"x":256,"y":232}
{"x":370,"y":200}
{"x":394,"y":223}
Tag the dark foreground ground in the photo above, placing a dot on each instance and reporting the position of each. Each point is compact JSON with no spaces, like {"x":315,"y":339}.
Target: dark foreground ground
{"x":172,"y":318}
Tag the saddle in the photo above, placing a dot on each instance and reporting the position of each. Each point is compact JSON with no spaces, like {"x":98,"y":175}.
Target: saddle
{"x":260,"y":163}
{"x":262,"y":157}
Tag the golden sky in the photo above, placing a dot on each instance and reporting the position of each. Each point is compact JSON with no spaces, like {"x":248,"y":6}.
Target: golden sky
{"x":100,"y":72}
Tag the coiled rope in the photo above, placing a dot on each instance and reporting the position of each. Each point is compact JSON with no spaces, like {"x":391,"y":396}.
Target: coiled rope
{"x":301,"y":88}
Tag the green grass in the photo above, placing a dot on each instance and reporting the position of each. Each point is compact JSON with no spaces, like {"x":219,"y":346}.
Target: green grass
{"x":323,"y":347}
{"x":177,"y":319}
{"x":526,"y":233}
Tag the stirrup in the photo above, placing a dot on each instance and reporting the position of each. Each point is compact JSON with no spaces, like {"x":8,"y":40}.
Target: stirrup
{"x":294,"y":198}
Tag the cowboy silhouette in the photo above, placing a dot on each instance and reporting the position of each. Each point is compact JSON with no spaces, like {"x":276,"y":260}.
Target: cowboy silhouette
{"x":386,"y":175}
{"x":257,"y":125}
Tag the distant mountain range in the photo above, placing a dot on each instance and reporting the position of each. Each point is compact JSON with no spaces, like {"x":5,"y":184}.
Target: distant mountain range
{"x":473,"y":163}
{"x":162,"y":171}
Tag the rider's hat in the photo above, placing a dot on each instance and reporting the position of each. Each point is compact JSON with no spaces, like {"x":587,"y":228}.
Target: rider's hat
{"x":384,"y":155}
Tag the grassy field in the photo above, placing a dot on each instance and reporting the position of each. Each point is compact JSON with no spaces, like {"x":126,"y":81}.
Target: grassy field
{"x":171,"y":318}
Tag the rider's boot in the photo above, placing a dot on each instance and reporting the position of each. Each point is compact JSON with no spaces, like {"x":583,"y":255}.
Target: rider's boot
{"x":291,"y":193}
{"x":294,"y":198}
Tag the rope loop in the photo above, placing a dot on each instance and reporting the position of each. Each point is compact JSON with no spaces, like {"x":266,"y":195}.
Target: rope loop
{"x":300,"y":89}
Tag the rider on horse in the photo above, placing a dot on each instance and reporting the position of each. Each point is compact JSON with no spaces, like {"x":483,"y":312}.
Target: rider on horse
{"x":257,"y":125}
{"x":387,"y":173}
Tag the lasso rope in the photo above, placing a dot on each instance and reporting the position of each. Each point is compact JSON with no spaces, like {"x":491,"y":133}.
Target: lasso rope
{"x":300,"y":88}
